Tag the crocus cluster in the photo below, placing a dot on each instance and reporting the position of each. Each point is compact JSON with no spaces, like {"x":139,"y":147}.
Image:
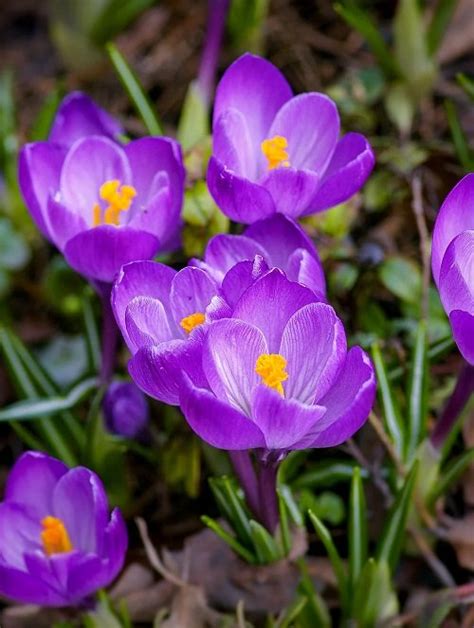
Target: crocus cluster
{"x":453,"y":262}
{"x":58,"y":543}
{"x":242,"y":340}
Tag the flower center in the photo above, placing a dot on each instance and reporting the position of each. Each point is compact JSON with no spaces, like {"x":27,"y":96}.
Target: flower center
{"x":188,"y":323}
{"x":275,"y":150}
{"x":55,"y":537}
{"x":271,"y":368}
{"x":119,"y":198}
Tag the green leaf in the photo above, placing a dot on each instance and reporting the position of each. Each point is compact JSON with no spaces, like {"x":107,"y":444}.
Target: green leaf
{"x":391,"y":412}
{"x":64,"y":359}
{"x":466,"y":83}
{"x":31,"y":409}
{"x":45,"y":117}
{"x":134,"y":90}
{"x":457,"y":134}
{"x":327,"y":473}
{"x":440,"y":19}
{"x":229,"y":539}
{"x":393,"y":534}
{"x":115,"y":17}
{"x":91,"y":335}
{"x":232,"y":507}
{"x":287,"y":619}
{"x":315,"y":612}
{"x":266,"y":549}
{"x":374,"y":600}
{"x":358,"y":542}
{"x":194,"y":121}
{"x":362,"y":22}
{"x":403,"y":278}
{"x":450,"y":475}
{"x":334,"y":557}
{"x":417,"y":393}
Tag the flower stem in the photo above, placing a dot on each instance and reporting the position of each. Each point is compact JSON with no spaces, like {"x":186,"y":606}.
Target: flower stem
{"x":267,"y":481}
{"x":109,"y":334}
{"x":460,"y":396}
{"x":245,"y":472}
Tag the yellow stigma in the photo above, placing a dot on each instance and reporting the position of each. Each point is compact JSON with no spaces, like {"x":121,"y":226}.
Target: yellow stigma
{"x":119,"y":198}
{"x":271,"y":368}
{"x":274,"y":149}
{"x":188,"y":323}
{"x":55,"y":537}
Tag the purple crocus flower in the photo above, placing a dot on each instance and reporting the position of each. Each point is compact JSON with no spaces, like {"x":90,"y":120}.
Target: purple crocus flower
{"x":278,"y":240}
{"x":102,"y":204}
{"x":125,"y":409}
{"x":58,"y":544}
{"x":279,"y":375}
{"x":275,"y":152}
{"x":453,"y":262}
{"x":161,"y":314}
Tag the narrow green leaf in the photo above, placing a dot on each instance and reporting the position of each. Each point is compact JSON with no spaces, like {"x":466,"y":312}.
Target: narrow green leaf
{"x":265,"y":546}
{"x":459,"y":139}
{"x":357,"y":528}
{"x":334,"y":557}
{"x":392,"y":417}
{"x":417,"y":393}
{"x":194,"y":121}
{"x":45,"y":117}
{"x":134,"y":90}
{"x":315,"y":612}
{"x":31,"y":409}
{"x":292,"y":613}
{"x":450,"y":475}
{"x":228,"y":538}
{"x":362,"y":21}
{"x":91,"y":335}
{"x":233,"y":508}
{"x":374,"y":599}
{"x":284,"y":523}
{"x":327,"y":473}
{"x":441,"y":17}
{"x":393,"y":534}
{"x":467,"y":83}
{"x":115,"y":17}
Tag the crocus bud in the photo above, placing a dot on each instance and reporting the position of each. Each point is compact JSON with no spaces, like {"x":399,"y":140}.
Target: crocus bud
{"x":125,"y":409}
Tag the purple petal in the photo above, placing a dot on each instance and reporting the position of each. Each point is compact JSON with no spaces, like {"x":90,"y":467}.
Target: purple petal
{"x":255,"y":88}
{"x":279,"y":236}
{"x":233,"y":146}
{"x":78,"y":116}
{"x":307,"y":270}
{"x":144,"y":278}
{"x":216,"y":422}
{"x":20,"y":532}
{"x":115,"y":544}
{"x":240,"y":277}
{"x":147,"y":324}
{"x":191,"y":291}
{"x":90,"y":162}
{"x":149,"y":157}
{"x":39,"y":170}
{"x":62,"y":223}
{"x":224,"y":251}
{"x":85,"y":575}
{"x":99,"y":253}
{"x":347,"y":172}
{"x":462,"y":324}
{"x":26,"y":589}
{"x":292,"y":190}
{"x":158,"y":370}
{"x":456,"y":279}
{"x":239,"y":198}
{"x":314,"y":345}
{"x":455,"y":216}
{"x":269,"y":304}
{"x":310,"y":123}
{"x":231,"y":351}
{"x":283,"y":422}
{"x":348,"y":402}
{"x":80,"y":501}
{"x":32,"y":480}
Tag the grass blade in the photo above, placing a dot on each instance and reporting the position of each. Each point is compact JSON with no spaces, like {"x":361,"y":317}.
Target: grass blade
{"x":357,"y":529}
{"x":417,"y":393}
{"x":134,"y":90}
